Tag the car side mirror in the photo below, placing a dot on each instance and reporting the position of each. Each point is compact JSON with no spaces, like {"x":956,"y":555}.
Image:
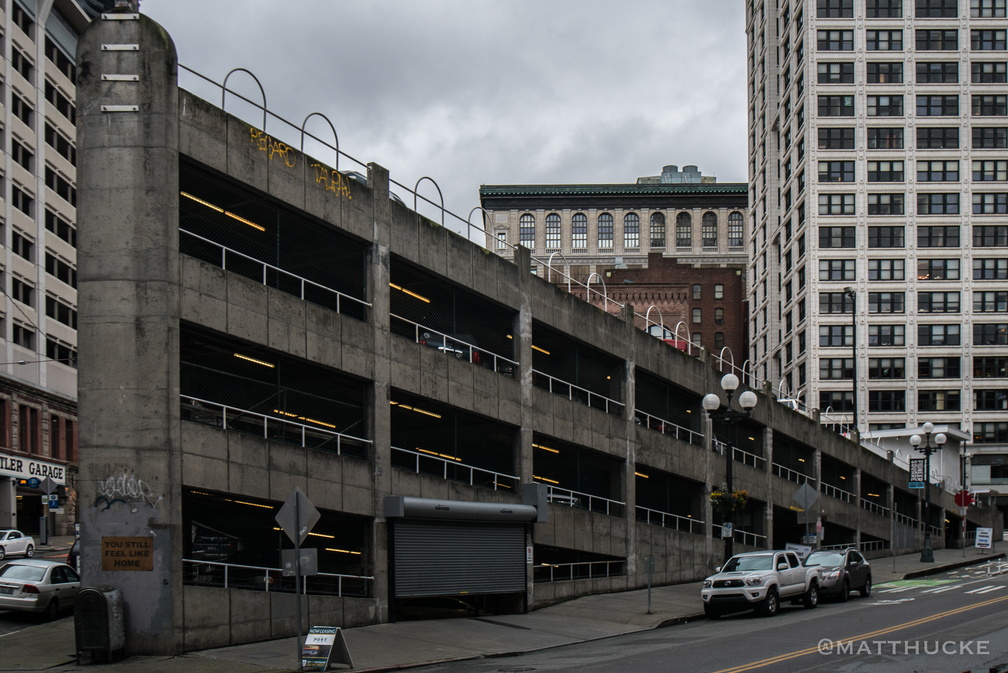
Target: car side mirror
{"x":782,"y":565}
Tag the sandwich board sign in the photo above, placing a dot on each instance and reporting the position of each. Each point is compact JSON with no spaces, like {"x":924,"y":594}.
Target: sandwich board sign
{"x":320,"y":646}
{"x":983,"y":538}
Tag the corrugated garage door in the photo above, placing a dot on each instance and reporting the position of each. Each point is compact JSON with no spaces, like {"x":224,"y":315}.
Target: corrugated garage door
{"x":438,"y":558}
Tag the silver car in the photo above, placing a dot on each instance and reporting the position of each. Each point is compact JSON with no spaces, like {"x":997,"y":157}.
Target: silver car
{"x":15,"y":543}
{"x":33,"y":585}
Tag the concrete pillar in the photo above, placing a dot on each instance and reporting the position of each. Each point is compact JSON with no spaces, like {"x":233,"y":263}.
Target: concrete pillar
{"x":861,"y":512}
{"x":128,"y":334}
{"x":768,"y":436}
{"x":630,"y":465}
{"x":8,"y":503}
{"x":523,"y":354}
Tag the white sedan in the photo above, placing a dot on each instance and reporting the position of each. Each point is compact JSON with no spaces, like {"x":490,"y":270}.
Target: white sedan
{"x":16,"y":543}
{"x":38,"y":586}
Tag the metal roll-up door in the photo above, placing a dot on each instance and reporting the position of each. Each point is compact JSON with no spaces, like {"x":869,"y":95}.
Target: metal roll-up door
{"x":434,"y":558}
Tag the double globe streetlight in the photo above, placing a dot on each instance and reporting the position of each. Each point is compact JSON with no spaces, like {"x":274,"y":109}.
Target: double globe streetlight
{"x":712,"y":405}
{"x":927,"y":553}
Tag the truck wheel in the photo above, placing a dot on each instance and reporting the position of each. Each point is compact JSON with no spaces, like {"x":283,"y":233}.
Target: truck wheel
{"x":711,"y":612}
{"x":811,"y":598}
{"x":770,"y":604}
{"x":845,"y":591}
{"x":866,"y":589}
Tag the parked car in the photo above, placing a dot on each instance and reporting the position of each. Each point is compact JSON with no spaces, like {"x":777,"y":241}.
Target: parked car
{"x":15,"y":543}
{"x":842,"y":572}
{"x":34,"y":585}
{"x":760,"y":581}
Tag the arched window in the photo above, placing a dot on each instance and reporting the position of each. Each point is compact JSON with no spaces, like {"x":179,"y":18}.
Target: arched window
{"x":708,"y":230}
{"x":735,"y":229}
{"x":684,"y":230}
{"x":657,"y":230}
{"x":605,"y":231}
{"x":552,"y":232}
{"x":631,"y":230}
{"x":526,"y":231}
{"x":579,"y":231}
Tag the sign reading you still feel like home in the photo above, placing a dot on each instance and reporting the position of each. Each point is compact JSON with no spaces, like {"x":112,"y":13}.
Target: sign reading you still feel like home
{"x":127,"y":553}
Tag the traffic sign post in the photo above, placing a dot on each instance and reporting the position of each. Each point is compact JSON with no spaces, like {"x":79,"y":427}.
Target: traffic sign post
{"x":297,"y":517}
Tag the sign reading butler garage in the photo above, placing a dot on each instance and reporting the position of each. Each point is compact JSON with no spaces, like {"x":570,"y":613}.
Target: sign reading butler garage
{"x":127,"y":553}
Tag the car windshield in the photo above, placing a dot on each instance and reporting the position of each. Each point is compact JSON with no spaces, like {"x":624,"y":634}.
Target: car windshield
{"x":20,"y":572}
{"x":824,"y":558}
{"x":742,"y":563}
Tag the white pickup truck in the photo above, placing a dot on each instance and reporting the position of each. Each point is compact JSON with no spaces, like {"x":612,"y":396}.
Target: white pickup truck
{"x":760,"y":581}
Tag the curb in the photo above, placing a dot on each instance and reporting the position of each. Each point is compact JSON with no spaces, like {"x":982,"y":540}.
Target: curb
{"x":950,"y":566}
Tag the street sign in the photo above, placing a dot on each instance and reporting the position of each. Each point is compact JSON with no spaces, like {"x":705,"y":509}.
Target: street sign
{"x":805,"y":496}
{"x":48,"y":485}
{"x":964,"y":498}
{"x":917,"y":476}
{"x":53,"y":501}
{"x":289,"y":565}
{"x":918,"y":485}
{"x":809,"y":538}
{"x":34,"y":482}
{"x":297,"y":516}
{"x":983,"y":538}
{"x":727,"y":530}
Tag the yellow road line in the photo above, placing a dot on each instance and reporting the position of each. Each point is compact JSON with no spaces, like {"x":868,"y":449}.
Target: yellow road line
{"x":864,"y":636}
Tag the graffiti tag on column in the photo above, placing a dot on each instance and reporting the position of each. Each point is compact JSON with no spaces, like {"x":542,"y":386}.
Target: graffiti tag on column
{"x":333,"y":180}
{"x":125,"y":489}
{"x":273,"y":147}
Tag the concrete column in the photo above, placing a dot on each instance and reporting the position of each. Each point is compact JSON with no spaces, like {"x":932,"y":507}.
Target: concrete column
{"x":523,"y":354}
{"x":768,"y":436}
{"x":630,"y":466}
{"x":128,"y":334}
{"x":8,"y":503}
{"x":861,"y":512}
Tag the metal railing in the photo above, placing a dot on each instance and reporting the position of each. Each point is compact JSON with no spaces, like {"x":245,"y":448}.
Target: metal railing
{"x":259,"y":578}
{"x":449,"y":345}
{"x":741,"y":455}
{"x":873,"y":545}
{"x":306,"y":290}
{"x":838,"y":493}
{"x":668,"y":520}
{"x":791,"y":475}
{"x":874,"y":507}
{"x":904,"y":519}
{"x":576,"y":393}
{"x":451,"y":469}
{"x":592,"y":503}
{"x":270,"y":427}
{"x":668,"y":428}
{"x":560,"y":572}
{"x":743,"y":537}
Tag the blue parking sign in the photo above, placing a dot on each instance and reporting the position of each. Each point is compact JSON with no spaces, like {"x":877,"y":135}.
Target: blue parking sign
{"x":53,"y":501}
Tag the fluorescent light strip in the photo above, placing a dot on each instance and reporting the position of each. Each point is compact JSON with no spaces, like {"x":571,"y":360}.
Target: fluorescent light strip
{"x":258,"y":362}
{"x":642,"y":475}
{"x":343,"y":551}
{"x":439,"y":455}
{"x":410,"y":293}
{"x":416,"y":409}
{"x":544,"y":448}
{"x":221,"y":210}
{"x":551,"y":481}
{"x":306,"y":419}
{"x":534,"y":347}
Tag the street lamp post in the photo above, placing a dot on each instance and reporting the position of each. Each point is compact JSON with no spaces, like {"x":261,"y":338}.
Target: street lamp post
{"x":712,"y":405}
{"x":849,"y":291}
{"x":927,"y":553}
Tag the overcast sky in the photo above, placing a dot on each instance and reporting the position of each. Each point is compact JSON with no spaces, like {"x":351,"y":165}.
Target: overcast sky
{"x":471,"y":92}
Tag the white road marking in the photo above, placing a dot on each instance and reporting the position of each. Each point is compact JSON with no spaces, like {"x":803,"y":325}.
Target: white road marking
{"x":986,"y":590}
{"x":938,"y":590}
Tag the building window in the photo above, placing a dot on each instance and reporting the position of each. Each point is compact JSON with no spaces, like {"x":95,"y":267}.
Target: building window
{"x":718,"y":291}
{"x":885,"y":171}
{"x":57,"y":310}
{"x":836,"y":400}
{"x":631,"y":231}
{"x":885,"y":138}
{"x":836,"y":237}
{"x":884,"y":40}
{"x":937,"y":302}
{"x":836,"y":204}
{"x":990,"y":334}
{"x":552,"y":232}
{"x":886,"y":269}
{"x":836,"y":138}
{"x":990,"y":301}
{"x":939,"y":236}
{"x":697,"y":316}
{"x":990,"y":171}
{"x":987,"y":9}
{"x":990,"y":400}
{"x":886,"y":368}
{"x":718,"y":316}
{"x":990,"y":236}
{"x":501,"y":240}
{"x":697,"y":291}
{"x":886,"y":400}
{"x":61,"y":270}
{"x":836,"y":106}
{"x":938,"y":335}
{"x":579,"y":232}
{"x":836,"y":269}
{"x":990,"y":137}
{"x":987,"y":40}
{"x":836,"y":171}
{"x":937,"y":106}
{"x":990,"y":367}
{"x":884,"y":9}
{"x":831,"y":369}
{"x":992,"y":105}
{"x":657,"y":230}
{"x":835,"y":302}
{"x":939,"y":400}
{"x":22,"y":246}
{"x":735,"y":229}
{"x":943,"y":39}
{"x":990,"y":203}
{"x":22,"y":155}
{"x":23,"y":291}
{"x":885,"y":302}
{"x":985,"y":268}
{"x":939,"y":368}
{"x":709,"y":230}
{"x":886,"y":204}
{"x":526,"y":231}
{"x":835,"y":73}
{"x":937,"y":204}
{"x":835,"y":9}
{"x":605,"y":231}
{"x":836,"y":335}
{"x":23,"y":336}
{"x":684,"y":230}
{"x":885,"y":237}
{"x":885,"y":106}
{"x":989,"y":72}
{"x":937,"y":73}
{"x":937,"y":9}
{"x":886,"y":335}
{"x":938,"y":171}
{"x":22,"y":200}
{"x":937,"y":138}
{"x":884,"y":73}
{"x":835,"y":40}
{"x":22,"y":109}
{"x":992,"y":432}
{"x":937,"y":269}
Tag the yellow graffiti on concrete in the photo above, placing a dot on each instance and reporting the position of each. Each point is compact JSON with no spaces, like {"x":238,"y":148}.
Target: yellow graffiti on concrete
{"x":273,"y":147}
{"x":333,"y":180}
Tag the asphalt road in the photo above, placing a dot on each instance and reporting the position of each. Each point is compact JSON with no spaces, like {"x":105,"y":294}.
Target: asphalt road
{"x":948,"y":623}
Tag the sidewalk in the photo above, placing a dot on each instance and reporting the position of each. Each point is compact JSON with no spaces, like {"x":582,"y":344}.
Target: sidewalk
{"x":384,"y":647}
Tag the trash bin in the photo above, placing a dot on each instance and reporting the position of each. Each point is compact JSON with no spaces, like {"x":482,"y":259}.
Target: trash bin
{"x":98,"y":624}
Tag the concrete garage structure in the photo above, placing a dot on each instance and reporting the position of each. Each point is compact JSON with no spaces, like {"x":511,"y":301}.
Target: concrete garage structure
{"x":253,"y":321}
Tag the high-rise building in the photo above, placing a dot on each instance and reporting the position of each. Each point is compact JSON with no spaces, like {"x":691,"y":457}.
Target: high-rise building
{"x":38,"y":309}
{"x":878,"y":145}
